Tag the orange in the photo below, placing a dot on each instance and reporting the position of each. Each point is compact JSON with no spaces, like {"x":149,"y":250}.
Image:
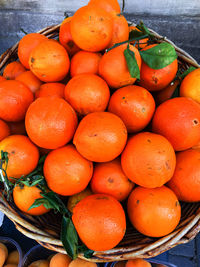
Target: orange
{"x":178,"y":119}
{"x":113,"y":67}
{"x":30,"y":80}
{"x":120,"y":29}
{"x":155,"y":80}
{"x":109,"y":178}
{"x":23,"y":155}
{"x":107,"y":5}
{"x":25,"y":196}
{"x":190,"y":86}
{"x":100,"y":136}
{"x":186,"y":179}
{"x":66,"y":171}
{"x":100,"y":221}
{"x":74,"y":199}
{"x":138,"y":263}
{"x":27,"y":44}
{"x":85,"y":62}
{"x":49,"y":61}
{"x":60,"y":260}
{"x":148,"y":160}
{"x":13,"y":257}
{"x":67,"y":19}
{"x":166,"y":93}
{"x":15,"y":99}
{"x":4,"y":130}
{"x":91,"y":28}
{"x":39,"y":263}
{"x":3,"y":253}
{"x":82,"y":263}
{"x":17,"y":127}
{"x":50,"y":122}
{"x":51,"y":89}
{"x":154,"y":212}
{"x":65,"y":38}
{"x":134,"y":105}
{"x":12,"y":70}
{"x":140,"y":43}
{"x":2,"y":78}
{"x":93,"y":94}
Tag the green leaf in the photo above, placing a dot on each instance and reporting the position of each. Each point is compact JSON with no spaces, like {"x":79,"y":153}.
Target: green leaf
{"x":136,"y":34}
{"x":143,"y":28}
{"x":185,"y":73}
{"x":159,"y":56}
{"x":69,"y":237}
{"x":132,"y":63}
{"x":88,"y":253}
{"x":41,"y":201}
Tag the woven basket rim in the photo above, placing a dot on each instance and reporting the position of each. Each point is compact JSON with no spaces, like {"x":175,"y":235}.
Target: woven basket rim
{"x":186,"y":231}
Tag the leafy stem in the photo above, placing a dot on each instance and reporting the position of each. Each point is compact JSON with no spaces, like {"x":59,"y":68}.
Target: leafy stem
{"x":127,"y":42}
{"x":8,"y":185}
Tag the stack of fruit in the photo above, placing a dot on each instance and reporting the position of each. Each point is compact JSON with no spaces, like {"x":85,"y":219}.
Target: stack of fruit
{"x":8,"y":259}
{"x":73,"y":103}
{"x":61,"y":260}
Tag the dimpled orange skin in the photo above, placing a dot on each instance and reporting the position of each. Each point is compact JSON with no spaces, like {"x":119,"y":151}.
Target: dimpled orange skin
{"x":91,"y":28}
{"x":51,"y":89}
{"x":107,"y":5}
{"x":138,"y":263}
{"x":154,"y":212}
{"x":27,"y":44}
{"x":100,"y":136}
{"x":134,"y":105}
{"x":157,"y":79}
{"x":66,"y":171}
{"x":12,"y":70}
{"x":65,"y":38}
{"x":148,"y":160}
{"x":49,"y":61}
{"x":120,"y":29}
{"x":2,"y":78}
{"x":50,"y":122}
{"x":85,"y":62}
{"x":190,"y":86}
{"x":109,"y":178}
{"x":178,"y":119}
{"x":25,"y":197}
{"x":113,"y":67}
{"x":186,"y":179}
{"x":22,"y":153}
{"x":30,"y":80}
{"x":4,"y":130}
{"x":15,"y":99}
{"x":60,"y":260}
{"x":100,"y":221}
{"x":93,"y":94}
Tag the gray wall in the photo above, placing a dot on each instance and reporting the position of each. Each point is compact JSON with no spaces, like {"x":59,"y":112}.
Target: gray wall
{"x":179,"y":20}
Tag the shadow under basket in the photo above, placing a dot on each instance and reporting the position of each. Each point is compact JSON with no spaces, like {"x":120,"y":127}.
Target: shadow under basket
{"x":45,"y":229}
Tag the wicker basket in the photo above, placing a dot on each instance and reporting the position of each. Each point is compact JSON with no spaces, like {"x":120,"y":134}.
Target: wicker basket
{"x":45,"y":229}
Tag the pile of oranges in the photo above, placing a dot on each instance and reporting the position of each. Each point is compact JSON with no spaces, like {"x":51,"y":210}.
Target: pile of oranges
{"x":76,"y":101}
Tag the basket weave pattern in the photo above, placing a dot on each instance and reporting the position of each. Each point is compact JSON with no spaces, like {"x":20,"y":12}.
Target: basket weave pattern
{"x":45,"y":229}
